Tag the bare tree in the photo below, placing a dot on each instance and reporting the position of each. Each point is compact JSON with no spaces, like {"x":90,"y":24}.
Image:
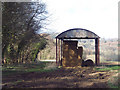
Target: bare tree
{"x":20,"y":22}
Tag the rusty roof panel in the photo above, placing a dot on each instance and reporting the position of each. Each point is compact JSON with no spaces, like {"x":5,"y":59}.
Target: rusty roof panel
{"x":77,"y":33}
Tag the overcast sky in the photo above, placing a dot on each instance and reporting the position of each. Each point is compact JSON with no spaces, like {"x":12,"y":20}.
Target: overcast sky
{"x":99,"y":16}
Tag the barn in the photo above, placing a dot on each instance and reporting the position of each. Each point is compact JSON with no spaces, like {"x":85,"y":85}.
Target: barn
{"x":68,"y":54}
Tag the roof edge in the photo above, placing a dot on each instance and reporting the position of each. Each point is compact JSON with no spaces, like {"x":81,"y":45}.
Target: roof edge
{"x":76,"y":29}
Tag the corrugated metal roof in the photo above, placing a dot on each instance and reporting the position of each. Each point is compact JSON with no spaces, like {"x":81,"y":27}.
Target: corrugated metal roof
{"x":77,"y":33}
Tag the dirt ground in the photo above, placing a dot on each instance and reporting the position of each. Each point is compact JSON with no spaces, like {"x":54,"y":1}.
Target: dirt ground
{"x":85,"y":77}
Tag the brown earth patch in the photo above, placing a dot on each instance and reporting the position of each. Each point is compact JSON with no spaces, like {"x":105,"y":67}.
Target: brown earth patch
{"x":80,"y":77}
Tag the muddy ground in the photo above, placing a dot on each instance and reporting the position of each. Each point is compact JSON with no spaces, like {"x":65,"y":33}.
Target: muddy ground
{"x":85,"y":77}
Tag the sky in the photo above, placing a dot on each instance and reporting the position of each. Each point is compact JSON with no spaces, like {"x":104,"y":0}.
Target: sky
{"x":98,"y":16}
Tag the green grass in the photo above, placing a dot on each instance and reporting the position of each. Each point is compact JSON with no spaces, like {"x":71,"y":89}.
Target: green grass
{"x":111,"y":84}
{"x":19,"y":69}
{"x":109,"y":67}
{"x":24,"y":68}
{"x":115,"y":83}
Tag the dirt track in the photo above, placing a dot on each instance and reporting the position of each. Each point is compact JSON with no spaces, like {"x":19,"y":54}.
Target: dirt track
{"x":85,"y":77}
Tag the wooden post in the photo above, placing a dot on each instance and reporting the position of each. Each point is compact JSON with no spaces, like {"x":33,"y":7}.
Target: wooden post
{"x":98,"y":52}
{"x":56,"y":50}
{"x":59,"y":51}
{"x":97,"y":61}
{"x":95,"y":51}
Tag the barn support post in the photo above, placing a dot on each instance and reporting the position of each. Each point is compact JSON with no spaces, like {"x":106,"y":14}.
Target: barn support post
{"x":59,"y":51}
{"x":98,"y":55}
{"x":56,"y":50}
{"x":97,"y":58}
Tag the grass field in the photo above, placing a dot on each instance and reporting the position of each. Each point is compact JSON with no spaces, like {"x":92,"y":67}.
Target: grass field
{"x":44,"y":67}
{"x":25,"y":68}
{"x":34,"y":70}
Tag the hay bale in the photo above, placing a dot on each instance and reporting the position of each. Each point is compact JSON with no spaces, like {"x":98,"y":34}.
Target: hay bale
{"x":69,"y":53}
{"x":80,"y":52}
{"x":88,"y":62}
